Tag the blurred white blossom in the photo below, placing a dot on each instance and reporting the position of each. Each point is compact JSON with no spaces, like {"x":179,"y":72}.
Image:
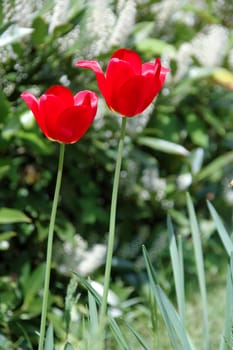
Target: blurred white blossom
{"x":59,"y":14}
{"x":137,"y":124}
{"x":100,"y":22}
{"x":184,"y":181}
{"x":124,"y":24}
{"x":76,"y":256}
{"x":155,"y":185}
{"x":209,"y":46}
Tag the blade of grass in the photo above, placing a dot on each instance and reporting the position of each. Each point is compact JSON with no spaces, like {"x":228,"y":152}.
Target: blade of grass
{"x":93,"y":314}
{"x":223,"y":234}
{"x":113,"y":325}
{"x":49,"y":340}
{"x":172,"y":321}
{"x":177,"y":266}
{"x":200,"y":267}
{"x":118,"y":335}
{"x":226,"y":339}
{"x":180,"y":252}
{"x":69,"y":346}
{"x":95,"y":336}
{"x":154,"y":321}
{"x":138,"y":337}
{"x":26,"y":336}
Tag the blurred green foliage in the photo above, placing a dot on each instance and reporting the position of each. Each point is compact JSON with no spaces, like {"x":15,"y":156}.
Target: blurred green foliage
{"x":39,"y":43}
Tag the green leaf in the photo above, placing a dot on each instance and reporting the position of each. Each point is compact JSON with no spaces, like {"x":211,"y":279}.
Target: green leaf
{"x":5,"y":236}
{"x":113,"y":325}
{"x":223,"y":77}
{"x":223,"y":234}
{"x":32,"y":285}
{"x":4,"y":106}
{"x":203,"y":14}
{"x":14,"y":34}
{"x":163,"y":146}
{"x":197,"y":130}
{"x":226,"y":338}
{"x":69,"y":346}
{"x":177,"y":267}
{"x":200,"y":267}
{"x":122,"y":343}
{"x":10,"y":216}
{"x":154,"y":47}
{"x":40,"y":31}
{"x":93,"y":314}
{"x":214,"y":169}
{"x":142,"y":30}
{"x":49,"y":339}
{"x":139,"y":338}
{"x":39,"y":142}
{"x":177,"y":334}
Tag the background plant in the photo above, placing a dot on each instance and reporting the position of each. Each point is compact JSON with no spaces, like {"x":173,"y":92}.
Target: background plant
{"x":38,"y":47}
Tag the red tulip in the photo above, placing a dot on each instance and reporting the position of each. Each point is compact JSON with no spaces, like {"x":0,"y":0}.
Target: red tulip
{"x":129,"y":85}
{"x":61,"y":116}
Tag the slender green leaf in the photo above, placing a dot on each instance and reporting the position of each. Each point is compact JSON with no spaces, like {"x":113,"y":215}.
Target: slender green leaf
{"x":49,"y":339}
{"x":32,"y":285}
{"x":200,"y":267}
{"x":177,"y":334}
{"x":152,"y":46}
{"x":26,"y":336}
{"x":113,"y":325}
{"x":163,"y":145}
{"x":118,"y":335}
{"x":177,"y":267}
{"x":41,"y":144}
{"x":215,"y":166}
{"x":69,"y":346}
{"x":138,"y":337}
{"x":10,"y":216}
{"x":226,"y":338}
{"x":223,"y":234}
{"x":154,"y":320}
{"x":5,"y":236}
{"x":93,"y":315}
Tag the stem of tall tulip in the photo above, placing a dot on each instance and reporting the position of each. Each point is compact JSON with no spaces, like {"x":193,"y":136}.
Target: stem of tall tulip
{"x":50,"y":247}
{"x":112,"y":223}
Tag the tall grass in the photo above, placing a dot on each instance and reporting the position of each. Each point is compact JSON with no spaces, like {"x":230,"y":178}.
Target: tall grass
{"x":174,"y":316}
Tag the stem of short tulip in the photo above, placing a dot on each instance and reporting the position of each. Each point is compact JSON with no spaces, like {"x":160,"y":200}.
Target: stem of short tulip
{"x":112,"y":222}
{"x":50,"y":247}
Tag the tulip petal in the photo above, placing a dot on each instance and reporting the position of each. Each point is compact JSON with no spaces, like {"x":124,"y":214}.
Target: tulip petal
{"x":163,"y":74}
{"x":63,"y":93}
{"x":86,"y":97}
{"x":117,"y":74}
{"x":131,"y":57}
{"x":50,"y":108}
{"x":100,"y":77}
{"x":73,"y":123}
{"x":33,"y":104}
{"x":136,"y":95}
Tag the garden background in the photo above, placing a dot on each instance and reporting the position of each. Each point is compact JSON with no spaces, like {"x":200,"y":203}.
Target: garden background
{"x":182,"y":142}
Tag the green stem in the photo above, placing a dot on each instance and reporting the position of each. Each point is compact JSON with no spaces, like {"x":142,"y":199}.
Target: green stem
{"x":112,"y":222}
{"x":50,"y":247}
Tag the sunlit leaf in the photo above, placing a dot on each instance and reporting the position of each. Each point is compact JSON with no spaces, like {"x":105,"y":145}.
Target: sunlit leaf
{"x":10,"y":216}
{"x":13,"y":34}
{"x":163,"y":146}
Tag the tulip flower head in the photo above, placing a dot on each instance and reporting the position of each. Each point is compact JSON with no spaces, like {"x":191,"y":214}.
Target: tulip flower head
{"x":61,"y":116}
{"x":129,"y":85}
